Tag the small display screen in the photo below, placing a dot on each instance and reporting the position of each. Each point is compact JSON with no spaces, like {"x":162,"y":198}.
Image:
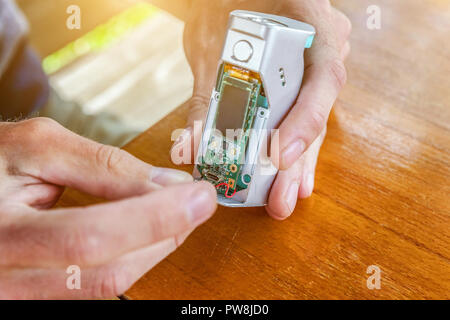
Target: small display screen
{"x":232,"y":108}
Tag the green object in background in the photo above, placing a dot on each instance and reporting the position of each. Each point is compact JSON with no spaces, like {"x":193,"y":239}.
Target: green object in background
{"x":101,"y":37}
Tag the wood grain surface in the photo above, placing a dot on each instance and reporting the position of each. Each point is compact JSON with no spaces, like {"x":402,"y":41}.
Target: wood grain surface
{"x":382,"y":186}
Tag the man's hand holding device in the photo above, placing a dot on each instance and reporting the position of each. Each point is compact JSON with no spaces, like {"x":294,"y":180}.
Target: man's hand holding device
{"x":114,"y":244}
{"x":302,"y":131}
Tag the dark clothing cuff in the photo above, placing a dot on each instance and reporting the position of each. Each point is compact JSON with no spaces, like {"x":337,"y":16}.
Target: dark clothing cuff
{"x":24,"y":86}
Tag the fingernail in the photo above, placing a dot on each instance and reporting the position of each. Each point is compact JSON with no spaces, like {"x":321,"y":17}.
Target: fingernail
{"x":167,"y":177}
{"x":309,"y":185}
{"x":201,"y":206}
{"x":291,"y":154}
{"x":292,"y":196}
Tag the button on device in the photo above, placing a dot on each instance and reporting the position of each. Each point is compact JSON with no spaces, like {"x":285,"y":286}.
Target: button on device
{"x":242,"y":51}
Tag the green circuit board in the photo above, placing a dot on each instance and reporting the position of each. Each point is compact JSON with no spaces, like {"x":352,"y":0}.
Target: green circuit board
{"x":240,"y":95}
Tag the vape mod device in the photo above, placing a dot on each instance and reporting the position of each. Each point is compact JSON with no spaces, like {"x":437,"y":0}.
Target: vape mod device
{"x":259,"y":78}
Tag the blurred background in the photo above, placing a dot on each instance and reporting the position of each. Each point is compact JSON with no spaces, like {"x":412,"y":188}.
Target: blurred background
{"x":127,"y":59}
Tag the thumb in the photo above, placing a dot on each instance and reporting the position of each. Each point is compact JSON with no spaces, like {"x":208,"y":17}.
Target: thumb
{"x":186,"y":146}
{"x":60,"y":157}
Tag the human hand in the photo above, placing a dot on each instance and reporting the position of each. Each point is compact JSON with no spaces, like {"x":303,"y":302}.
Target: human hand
{"x":114,"y":244}
{"x":303,"y":130}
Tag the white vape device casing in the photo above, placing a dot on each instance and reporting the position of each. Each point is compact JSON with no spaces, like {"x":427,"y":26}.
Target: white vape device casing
{"x":273,"y":47}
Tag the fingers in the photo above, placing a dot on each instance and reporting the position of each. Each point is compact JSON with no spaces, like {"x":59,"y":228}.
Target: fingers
{"x":309,"y":116}
{"x":294,"y":183}
{"x":106,"y":281}
{"x":38,"y":196}
{"x":284,"y":193}
{"x":198,"y":109}
{"x":70,"y":160}
{"x":343,"y":27}
{"x":116,"y":278}
{"x":324,"y":77}
{"x":97,"y":234}
{"x":310,"y":159}
{"x":185,"y":148}
{"x":345,"y":51}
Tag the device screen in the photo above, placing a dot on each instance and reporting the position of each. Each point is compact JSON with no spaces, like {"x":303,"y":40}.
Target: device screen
{"x":232,"y":108}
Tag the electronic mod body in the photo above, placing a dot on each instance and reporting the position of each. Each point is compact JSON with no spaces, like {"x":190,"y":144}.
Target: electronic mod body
{"x":259,"y":79}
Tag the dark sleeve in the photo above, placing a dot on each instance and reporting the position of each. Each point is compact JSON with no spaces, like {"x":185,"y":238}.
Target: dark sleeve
{"x":24,"y":86}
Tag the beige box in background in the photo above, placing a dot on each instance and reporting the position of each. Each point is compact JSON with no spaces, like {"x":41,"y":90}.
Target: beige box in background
{"x":138,"y":80}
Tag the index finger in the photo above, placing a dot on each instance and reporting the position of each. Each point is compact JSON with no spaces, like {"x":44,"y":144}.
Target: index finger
{"x":323,"y":79}
{"x":58,"y":156}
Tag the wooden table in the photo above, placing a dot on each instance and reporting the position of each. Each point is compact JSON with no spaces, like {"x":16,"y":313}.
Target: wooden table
{"x":382,"y":195}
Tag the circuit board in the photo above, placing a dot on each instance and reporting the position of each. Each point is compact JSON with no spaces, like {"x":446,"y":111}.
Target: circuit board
{"x":241,"y":94}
